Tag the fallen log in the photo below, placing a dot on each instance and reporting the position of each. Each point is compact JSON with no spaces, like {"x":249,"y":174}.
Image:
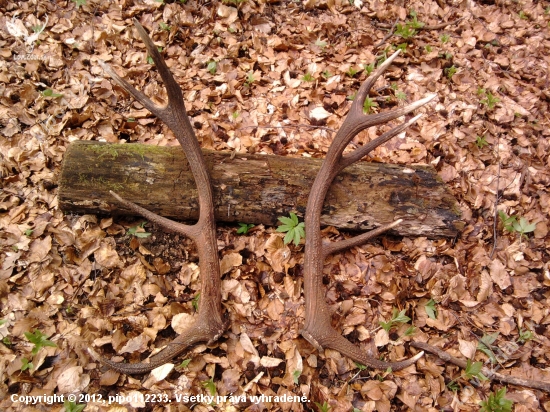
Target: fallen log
{"x":255,"y":188}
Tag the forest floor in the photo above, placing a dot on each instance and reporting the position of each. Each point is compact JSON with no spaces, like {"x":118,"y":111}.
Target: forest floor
{"x":123,"y":287}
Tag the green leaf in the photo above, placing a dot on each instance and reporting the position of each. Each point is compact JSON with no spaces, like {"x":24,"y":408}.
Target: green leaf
{"x":212,"y":67}
{"x":39,"y":340}
{"x":294,"y":229}
{"x":195,"y":302}
{"x":296,"y":375}
{"x":431,"y":310}
{"x":25,"y":364}
{"x":50,"y":93}
{"x":73,"y":406}
{"x":523,"y":226}
{"x":473,"y":369}
{"x":210,"y":386}
{"x":399,"y":317}
{"x":497,"y":402}
{"x":185,"y":362}
{"x":244,"y":228}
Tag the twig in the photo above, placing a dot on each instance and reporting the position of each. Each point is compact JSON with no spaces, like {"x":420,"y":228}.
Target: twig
{"x":497,"y":198}
{"x":388,"y":36}
{"x":425,"y":27}
{"x":494,"y":376}
{"x":295,"y":126}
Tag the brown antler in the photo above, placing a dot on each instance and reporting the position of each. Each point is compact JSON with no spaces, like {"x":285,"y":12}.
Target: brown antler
{"x":318,"y":329}
{"x":209,"y":324}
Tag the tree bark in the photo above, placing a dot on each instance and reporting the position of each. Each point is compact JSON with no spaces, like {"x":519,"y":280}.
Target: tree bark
{"x":255,"y":188}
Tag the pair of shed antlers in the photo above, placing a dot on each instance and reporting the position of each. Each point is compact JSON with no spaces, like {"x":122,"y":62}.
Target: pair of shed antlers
{"x":210,"y":324}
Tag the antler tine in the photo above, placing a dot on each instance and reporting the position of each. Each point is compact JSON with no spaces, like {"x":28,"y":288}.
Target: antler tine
{"x":317,"y":328}
{"x":209,"y":324}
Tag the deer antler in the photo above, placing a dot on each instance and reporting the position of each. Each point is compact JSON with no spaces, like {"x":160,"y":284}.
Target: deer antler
{"x":209,"y":325}
{"x":318,"y":329}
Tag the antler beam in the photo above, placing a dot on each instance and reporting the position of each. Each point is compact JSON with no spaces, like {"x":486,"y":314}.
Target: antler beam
{"x":318,"y":329}
{"x":209,"y":324}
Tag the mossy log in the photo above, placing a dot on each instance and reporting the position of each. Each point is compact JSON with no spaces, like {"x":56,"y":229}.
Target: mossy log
{"x":255,"y":188}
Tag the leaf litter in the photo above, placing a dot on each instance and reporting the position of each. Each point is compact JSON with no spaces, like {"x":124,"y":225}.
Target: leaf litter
{"x":85,"y":281}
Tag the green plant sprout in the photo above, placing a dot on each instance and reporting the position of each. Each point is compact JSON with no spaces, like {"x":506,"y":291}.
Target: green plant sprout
{"x":71,"y":406}
{"x":210,"y":386}
{"x":396,"y":318}
{"x":525,"y":335}
{"x":212,"y":67}
{"x":79,"y":3}
{"x":320,"y":43}
{"x":164,"y":26}
{"x":497,"y":402}
{"x":485,"y":345}
{"x":401,"y":46}
{"x":369,"y":68}
{"x":431,"y":309}
{"x":450,"y":71}
{"x":428,"y":48}
{"x":195,"y":302}
{"x":352,"y":71}
{"x":512,"y":225}
{"x":296,"y":375}
{"x":369,"y":104}
{"x":234,"y":115}
{"x":294,"y":230}
{"x":250,"y":78}
{"x":326,"y":74}
{"x":185,"y":363}
{"x":308,"y":77}
{"x":522,"y":15}
{"x":324,"y":407}
{"x":473,"y":370}
{"x":481,"y":142}
{"x":138,"y":231}
{"x":50,"y":93}
{"x":487,"y":98}
{"x":39,"y":340}
{"x":399,"y":95}
{"x":25,"y":364}
{"x":445,"y":38}
{"x":244,"y":228}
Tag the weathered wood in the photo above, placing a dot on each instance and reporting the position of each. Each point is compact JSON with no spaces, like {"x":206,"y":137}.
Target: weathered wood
{"x":255,"y":188}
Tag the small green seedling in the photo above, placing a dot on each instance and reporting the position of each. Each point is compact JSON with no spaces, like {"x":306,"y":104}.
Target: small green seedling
{"x":497,"y":402}
{"x":212,"y":67}
{"x":250,"y":78}
{"x":369,"y":68}
{"x":325,"y":407}
{"x":523,"y":16}
{"x":79,"y":3}
{"x":511,"y":224}
{"x":431,"y":309}
{"x":320,"y":43}
{"x":185,"y":363}
{"x":525,"y":335}
{"x":487,"y":98}
{"x":28,"y":232}
{"x":485,"y":345}
{"x":138,"y":231}
{"x":195,"y":302}
{"x":164,"y":26}
{"x":481,"y":142}
{"x":308,"y":77}
{"x":368,"y":105}
{"x":294,"y":230}
{"x":210,"y":386}
{"x":150,"y":59}
{"x":244,"y":228}
{"x":428,"y":48}
{"x":352,"y":71}
{"x":50,"y":93}
{"x":445,"y":38}
{"x":326,"y":74}
{"x":39,"y":340}
{"x":450,"y":71}
{"x":71,"y":406}
{"x":396,"y":318}
{"x":399,"y":95}
{"x":25,"y":364}
{"x":296,"y":375}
